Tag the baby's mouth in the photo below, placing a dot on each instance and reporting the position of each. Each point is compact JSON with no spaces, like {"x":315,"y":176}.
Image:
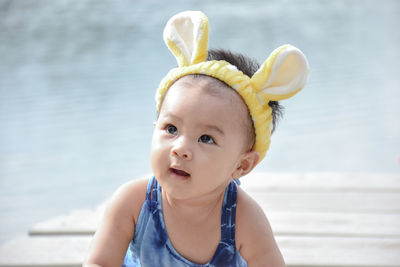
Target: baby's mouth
{"x":180,"y":172}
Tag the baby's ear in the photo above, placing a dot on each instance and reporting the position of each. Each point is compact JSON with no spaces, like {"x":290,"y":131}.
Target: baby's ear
{"x":246,"y":164}
{"x":186,"y":36}
{"x":282,"y":75}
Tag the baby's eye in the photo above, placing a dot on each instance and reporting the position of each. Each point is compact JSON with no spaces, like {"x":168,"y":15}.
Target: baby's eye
{"x":171,"y":129}
{"x":206,"y":139}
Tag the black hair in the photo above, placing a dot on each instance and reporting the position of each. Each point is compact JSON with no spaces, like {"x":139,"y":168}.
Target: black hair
{"x":248,"y":66}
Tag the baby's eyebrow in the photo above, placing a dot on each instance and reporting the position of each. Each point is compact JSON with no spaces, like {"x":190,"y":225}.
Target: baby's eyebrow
{"x":213,"y":127}
{"x":201,"y":126}
{"x":172,"y":116}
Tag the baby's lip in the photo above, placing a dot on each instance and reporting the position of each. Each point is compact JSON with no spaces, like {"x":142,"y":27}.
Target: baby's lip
{"x":179,"y":171}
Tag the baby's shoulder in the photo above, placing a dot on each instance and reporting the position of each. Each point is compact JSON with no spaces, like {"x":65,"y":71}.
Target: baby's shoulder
{"x":117,"y":227}
{"x":249,"y":214}
{"x":254,"y":237}
{"x":129,"y":198}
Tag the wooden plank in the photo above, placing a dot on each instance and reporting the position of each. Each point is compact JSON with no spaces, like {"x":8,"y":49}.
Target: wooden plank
{"x":47,"y":251}
{"x":297,"y":250}
{"x":344,"y":202}
{"x":283,"y":222}
{"x":269,"y":181}
{"x":304,"y":211}
{"x":332,"y":251}
{"x":335,"y":224}
{"x":76,"y":222}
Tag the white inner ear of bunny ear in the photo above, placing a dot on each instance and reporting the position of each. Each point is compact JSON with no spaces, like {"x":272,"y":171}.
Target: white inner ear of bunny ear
{"x":185,"y":31}
{"x":288,"y":74}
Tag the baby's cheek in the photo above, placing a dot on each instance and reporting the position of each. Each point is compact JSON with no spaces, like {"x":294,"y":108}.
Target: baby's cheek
{"x":155,"y":164}
{"x":158,"y":155}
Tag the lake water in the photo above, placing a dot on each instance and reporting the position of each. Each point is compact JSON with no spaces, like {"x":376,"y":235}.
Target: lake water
{"x":77,"y":80}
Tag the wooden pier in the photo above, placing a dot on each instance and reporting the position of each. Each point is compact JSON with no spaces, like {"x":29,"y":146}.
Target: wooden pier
{"x":319,"y":219}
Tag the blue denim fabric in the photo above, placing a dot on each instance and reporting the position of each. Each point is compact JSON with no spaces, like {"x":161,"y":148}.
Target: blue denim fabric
{"x":151,"y":246}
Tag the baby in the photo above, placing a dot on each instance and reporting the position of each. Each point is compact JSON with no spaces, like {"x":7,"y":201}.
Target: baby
{"x":215,"y":118}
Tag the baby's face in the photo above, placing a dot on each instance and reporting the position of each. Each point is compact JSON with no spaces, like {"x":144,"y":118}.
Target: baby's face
{"x":198,"y":139}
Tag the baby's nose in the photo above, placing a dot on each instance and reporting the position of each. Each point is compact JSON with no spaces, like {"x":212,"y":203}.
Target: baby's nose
{"x":181,"y":149}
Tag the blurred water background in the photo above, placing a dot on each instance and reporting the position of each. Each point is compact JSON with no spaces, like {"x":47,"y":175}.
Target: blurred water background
{"x":77,"y":80}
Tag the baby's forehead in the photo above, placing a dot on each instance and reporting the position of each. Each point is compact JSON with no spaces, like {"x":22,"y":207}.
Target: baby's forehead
{"x":218,"y":89}
{"x":211,"y":86}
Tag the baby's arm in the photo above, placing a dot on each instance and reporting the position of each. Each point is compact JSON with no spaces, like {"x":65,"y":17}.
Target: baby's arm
{"x":254,"y":237}
{"x":116,"y":230}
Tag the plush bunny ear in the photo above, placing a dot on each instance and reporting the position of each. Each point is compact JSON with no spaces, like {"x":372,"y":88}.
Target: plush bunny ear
{"x":282,"y":75}
{"x":186,"y":35}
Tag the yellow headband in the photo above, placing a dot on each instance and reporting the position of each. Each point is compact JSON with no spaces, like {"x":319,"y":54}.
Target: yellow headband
{"x":281,"y":76}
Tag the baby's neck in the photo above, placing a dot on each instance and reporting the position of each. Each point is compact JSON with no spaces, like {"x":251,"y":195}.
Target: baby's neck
{"x":194,"y":210}
{"x":194,"y":226}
